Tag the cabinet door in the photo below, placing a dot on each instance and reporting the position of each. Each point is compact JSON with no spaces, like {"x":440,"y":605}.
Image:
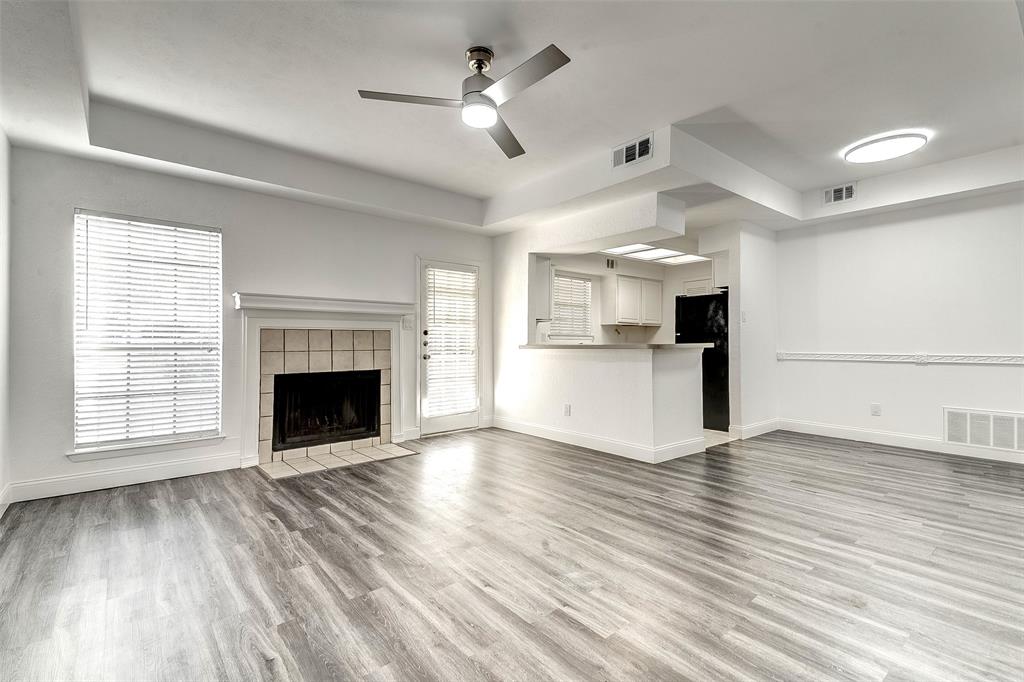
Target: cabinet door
{"x":650,"y":302}
{"x":696,"y":287}
{"x":720,"y":269}
{"x":628,"y":296}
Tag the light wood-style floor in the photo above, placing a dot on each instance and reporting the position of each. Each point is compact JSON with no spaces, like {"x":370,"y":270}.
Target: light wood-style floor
{"x":500,"y":556}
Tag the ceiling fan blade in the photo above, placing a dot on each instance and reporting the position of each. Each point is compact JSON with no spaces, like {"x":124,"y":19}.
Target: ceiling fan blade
{"x":500,"y":133}
{"x":411,"y":99}
{"x":539,"y":66}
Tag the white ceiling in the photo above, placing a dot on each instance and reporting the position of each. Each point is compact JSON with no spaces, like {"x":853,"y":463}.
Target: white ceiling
{"x":781,"y":85}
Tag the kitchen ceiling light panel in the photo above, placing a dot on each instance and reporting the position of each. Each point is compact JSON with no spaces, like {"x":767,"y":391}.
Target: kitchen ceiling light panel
{"x":655,"y":254}
{"x":628,"y":249}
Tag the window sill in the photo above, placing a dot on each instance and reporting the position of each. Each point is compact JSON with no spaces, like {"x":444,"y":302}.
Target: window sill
{"x":89,"y":454}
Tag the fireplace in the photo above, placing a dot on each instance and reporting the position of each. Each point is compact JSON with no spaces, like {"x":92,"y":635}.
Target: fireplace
{"x":319,"y":408}
{"x":312,"y":364}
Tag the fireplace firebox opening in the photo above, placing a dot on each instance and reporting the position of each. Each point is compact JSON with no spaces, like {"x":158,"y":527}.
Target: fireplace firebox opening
{"x":325,"y":407}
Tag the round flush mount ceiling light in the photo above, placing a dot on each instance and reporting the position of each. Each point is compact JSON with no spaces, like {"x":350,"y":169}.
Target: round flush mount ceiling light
{"x":886,"y":146}
{"x":478,"y":111}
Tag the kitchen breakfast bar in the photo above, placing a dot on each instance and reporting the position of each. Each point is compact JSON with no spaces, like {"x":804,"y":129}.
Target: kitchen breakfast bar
{"x":641,"y":401}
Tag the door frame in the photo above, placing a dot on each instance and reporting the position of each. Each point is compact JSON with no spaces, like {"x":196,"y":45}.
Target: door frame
{"x":454,"y":422}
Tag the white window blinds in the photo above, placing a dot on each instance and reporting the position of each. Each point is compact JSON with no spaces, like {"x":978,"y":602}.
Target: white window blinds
{"x":451,"y":325}
{"x":570,"y":309}
{"x":147,"y":331}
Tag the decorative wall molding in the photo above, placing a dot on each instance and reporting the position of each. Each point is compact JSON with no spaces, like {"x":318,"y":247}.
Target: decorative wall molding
{"x":314,"y":304}
{"x":906,"y":358}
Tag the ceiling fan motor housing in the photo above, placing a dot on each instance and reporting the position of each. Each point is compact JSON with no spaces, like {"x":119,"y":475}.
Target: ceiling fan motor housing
{"x":479,"y":58}
{"x":475,"y":84}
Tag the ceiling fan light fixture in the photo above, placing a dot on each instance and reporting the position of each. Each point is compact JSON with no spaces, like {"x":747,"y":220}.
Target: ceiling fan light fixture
{"x":478,"y":111}
{"x":479,"y":115}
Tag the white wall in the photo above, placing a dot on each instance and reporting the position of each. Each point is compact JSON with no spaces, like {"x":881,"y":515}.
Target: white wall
{"x":5,"y":234}
{"x":758,"y":329}
{"x":271,"y":245}
{"x":946,"y":278}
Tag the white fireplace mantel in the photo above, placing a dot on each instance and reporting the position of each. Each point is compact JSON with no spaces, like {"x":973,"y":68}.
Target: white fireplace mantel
{"x":278,"y":311}
{"x":314,"y":304}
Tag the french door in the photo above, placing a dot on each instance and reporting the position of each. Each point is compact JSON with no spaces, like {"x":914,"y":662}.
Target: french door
{"x":449,"y":347}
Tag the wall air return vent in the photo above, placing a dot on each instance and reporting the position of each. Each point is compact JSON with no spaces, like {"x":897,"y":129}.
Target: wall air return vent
{"x":835,"y":195}
{"x":984,"y":428}
{"x":610,"y":263}
{"x":633,"y":151}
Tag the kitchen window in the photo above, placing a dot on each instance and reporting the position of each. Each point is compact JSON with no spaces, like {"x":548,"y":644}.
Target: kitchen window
{"x":571,"y":306}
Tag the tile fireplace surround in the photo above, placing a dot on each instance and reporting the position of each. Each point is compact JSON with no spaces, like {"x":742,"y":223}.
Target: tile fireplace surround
{"x":292,"y":351}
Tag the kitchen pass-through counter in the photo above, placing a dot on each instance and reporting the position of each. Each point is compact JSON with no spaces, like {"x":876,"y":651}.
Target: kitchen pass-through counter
{"x":641,"y":401}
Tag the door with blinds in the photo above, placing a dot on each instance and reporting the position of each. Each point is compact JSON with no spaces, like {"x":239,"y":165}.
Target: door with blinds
{"x":449,"y":347}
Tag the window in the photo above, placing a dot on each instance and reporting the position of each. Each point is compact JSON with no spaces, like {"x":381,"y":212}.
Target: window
{"x":570,"y":307}
{"x":147,"y":331}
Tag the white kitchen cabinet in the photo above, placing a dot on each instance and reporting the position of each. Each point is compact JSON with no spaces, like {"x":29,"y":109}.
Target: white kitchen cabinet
{"x":720,"y":269}
{"x":627,"y":300}
{"x":632,"y":301}
{"x":650,"y":302}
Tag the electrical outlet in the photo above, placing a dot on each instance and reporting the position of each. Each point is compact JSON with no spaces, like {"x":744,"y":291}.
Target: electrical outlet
{"x":876,"y":410}
{"x":567,"y":410}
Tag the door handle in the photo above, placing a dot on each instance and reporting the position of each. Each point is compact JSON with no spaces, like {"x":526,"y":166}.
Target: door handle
{"x":426,"y":357}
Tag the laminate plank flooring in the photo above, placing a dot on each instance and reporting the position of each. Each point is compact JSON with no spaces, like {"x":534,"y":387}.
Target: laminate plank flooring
{"x":500,"y":556}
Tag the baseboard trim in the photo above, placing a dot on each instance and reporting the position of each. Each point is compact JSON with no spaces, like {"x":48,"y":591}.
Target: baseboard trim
{"x":642,"y":453}
{"x":5,"y":502}
{"x":755,"y":429}
{"x":408,"y":434}
{"x":902,"y":440}
{"x":21,"y":491}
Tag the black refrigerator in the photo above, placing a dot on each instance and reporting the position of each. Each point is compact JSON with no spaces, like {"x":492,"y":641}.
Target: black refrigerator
{"x":705,"y":319}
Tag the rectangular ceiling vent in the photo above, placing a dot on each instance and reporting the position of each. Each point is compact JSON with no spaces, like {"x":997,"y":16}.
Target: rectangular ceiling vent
{"x":633,"y":151}
{"x":610,"y":263}
{"x":835,"y":195}
{"x":983,"y":428}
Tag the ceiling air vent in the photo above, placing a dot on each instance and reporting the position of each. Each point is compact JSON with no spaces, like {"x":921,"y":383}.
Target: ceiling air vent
{"x":632,"y":152}
{"x":835,"y":195}
{"x":999,"y":430}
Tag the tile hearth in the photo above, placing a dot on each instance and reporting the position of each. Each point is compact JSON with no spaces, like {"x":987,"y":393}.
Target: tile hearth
{"x":305,"y":465}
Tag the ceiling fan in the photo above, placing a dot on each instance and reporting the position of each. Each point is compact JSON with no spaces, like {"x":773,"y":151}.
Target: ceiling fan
{"x":481,"y":95}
